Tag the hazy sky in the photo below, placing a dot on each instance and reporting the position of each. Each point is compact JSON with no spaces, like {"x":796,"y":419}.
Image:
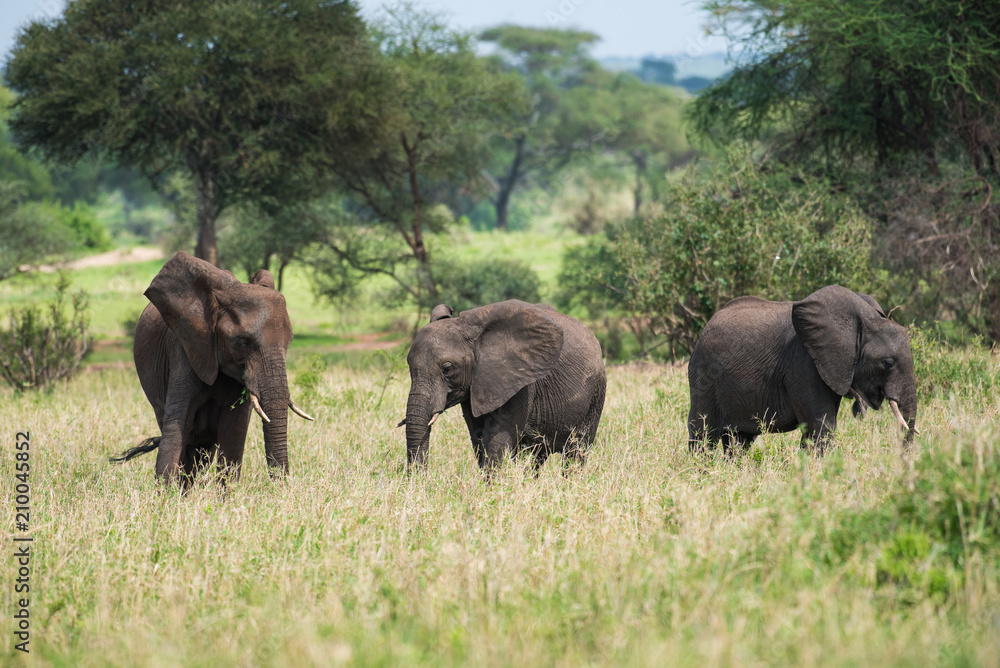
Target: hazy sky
{"x":628,"y":28}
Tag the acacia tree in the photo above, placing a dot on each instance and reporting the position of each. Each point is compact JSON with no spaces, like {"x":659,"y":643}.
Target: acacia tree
{"x":647,"y":133}
{"x":246,"y":96}
{"x":841,"y":79}
{"x":447,"y":104}
{"x":899,"y":100}
{"x":559,"y":123}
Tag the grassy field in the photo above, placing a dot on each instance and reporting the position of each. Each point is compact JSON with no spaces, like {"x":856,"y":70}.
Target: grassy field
{"x":648,"y":556}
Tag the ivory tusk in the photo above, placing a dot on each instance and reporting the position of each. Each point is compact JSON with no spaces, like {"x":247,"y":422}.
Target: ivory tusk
{"x":433,"y":419}
{"x":899,"y":416}
{"x":256,"y":407}
{"x":298,"y":411}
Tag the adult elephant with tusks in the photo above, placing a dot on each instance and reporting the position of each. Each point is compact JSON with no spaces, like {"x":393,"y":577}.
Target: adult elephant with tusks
{"x":209,"y":349}
{"x":526,"y":376}
{"x":772,"y":366}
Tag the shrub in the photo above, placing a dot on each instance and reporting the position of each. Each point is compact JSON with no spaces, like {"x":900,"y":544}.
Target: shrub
{"x":737,"y":228}
{"x":35,"y":352}
{"x":81,"y":224}
{"x":938,"y":521}
{"x":968,"y":371}
{"x":471,"y":283}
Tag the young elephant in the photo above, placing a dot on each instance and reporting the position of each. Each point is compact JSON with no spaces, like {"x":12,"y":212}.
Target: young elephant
{"x":207,"y":348}
{"x":783,"y":364}
{"x":526,"y":376}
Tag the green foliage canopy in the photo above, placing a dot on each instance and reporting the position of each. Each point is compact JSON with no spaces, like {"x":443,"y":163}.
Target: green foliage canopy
{"x":245,"y":96}
{"x":446,"y":104}
{"x":846,"y":79}
{"x":730,"y":230}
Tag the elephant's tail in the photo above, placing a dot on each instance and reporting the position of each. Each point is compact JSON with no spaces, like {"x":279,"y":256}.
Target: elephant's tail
{"x":148,"y":445}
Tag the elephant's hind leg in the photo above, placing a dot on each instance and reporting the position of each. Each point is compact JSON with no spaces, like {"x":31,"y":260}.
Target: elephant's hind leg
{"x":734,"y":440}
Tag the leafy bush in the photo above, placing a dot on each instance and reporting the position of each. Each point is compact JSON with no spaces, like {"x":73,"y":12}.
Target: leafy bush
{"x":26,"y":235}
{"x":737,"y":228}
{"x":471,"y":283}
{"x":80,"y":223}
{"x":940,"y":518}
{"x":969,"y":371}
{"x":35,"y":352}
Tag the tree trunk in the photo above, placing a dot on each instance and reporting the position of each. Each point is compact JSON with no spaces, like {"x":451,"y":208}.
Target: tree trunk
{"x":418,"y":247}
{"x":281,"y":273}
{"x":207,"y":199}
{"x":507,"y":184}
{"x":639,"y":158}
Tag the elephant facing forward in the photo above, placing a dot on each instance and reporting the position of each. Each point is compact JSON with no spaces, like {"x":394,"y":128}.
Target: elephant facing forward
{"x":777,"y":365}
{"x":207,"y":349}
{"x":526,"y":376}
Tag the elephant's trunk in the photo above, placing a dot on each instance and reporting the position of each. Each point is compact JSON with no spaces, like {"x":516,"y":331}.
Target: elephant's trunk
{"x":419,"y":417}
{"x":269,"y":393}
{"x":905,"y":406}
{"x":908,"y":409}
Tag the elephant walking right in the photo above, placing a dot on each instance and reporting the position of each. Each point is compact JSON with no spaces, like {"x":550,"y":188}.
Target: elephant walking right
{"x":772,"y":366}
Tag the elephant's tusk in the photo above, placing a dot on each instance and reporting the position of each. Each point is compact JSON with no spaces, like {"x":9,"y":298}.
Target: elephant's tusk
{"x":433,"y":419}
{"x":256,"y":407}
{"x":298,"y":411}
{"x":899,"y":416}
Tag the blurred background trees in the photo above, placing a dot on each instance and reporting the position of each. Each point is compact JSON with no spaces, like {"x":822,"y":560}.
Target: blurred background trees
{"x":852,"y":142}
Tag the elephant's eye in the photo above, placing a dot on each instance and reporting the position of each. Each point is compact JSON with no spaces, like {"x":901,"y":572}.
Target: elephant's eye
{"x":446,"y":367}
{"x":888,"y":363}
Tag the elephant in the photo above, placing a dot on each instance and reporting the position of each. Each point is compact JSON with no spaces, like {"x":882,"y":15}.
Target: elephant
{"x":527,"y":378}
{"x":770,"y":366}
{"x":207,"y":349}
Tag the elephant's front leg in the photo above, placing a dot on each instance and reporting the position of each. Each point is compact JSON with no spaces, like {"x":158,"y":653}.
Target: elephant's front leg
{"x":178,"y":413}
{"x":821,"y":422}
{"x":475,"y":425}
{"x":503,"y":427}
{"x":233,"y":426}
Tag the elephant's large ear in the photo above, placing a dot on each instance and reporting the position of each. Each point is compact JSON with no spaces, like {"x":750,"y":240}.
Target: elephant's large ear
{"x":516,"y":344}
{"x":829,"y":326}
{"x":871,"y":302}
{"x":263,"y":277}
{"x":183,"y":293}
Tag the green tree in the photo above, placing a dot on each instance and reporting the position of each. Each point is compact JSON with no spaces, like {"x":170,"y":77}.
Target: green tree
{"x":882,"y":79}
{"x":732,"y":228}
{"x":899,"y":102}
{"x":564,"y":117}
{"x":447,"y":104}
{"x":259,"y":238}
{"x":647,"y":133}
{"x":248,"y":97}
{"x":28,"y":233}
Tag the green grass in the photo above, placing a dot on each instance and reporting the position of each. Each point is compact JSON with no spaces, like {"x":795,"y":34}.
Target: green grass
{"x":648,"y":556}
{"x":116,"y":291}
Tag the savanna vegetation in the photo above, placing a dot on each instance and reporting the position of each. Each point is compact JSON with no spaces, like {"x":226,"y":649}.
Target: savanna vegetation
{"x":378,"y":167}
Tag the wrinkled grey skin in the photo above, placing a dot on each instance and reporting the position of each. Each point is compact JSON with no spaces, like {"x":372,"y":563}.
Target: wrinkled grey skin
{"x":784,"y":364}
{"x":205,"y":337}
{"x":526,"y":377}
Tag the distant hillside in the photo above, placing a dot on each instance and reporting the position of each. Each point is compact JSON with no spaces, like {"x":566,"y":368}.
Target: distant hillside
{"x":688,"y":71}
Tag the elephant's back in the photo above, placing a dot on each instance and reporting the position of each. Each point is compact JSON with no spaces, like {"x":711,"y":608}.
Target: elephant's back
{"x":580,"y":346}
{"x":737,"y":355}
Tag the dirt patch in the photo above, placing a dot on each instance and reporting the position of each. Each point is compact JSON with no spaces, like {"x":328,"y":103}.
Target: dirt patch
{"x":364,"y":342}
{"x":120,"y":256}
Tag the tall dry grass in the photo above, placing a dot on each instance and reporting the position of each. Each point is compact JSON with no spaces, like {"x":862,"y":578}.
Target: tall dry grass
{"x":648,"y":556}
